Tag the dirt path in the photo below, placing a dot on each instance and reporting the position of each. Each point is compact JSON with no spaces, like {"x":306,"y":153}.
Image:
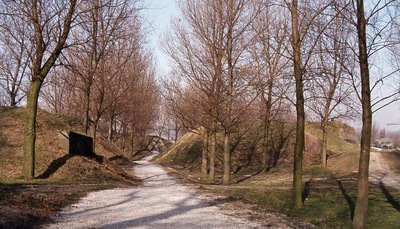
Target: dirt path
{"x":380,"y":172}
{"x":161,"y":203}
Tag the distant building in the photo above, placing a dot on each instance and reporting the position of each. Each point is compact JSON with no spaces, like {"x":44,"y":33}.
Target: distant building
{"x":383,"y":143}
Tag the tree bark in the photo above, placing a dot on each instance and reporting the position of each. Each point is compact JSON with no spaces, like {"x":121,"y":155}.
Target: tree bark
{"x":110,"y":128}
{"x":132,"y":139}
{"x":325,"y":134}
{"x":361,"y":208}
{"x":123,"y":138}
{"x":204,"y":154}
{"x":211,"y":174}
{"x":265,"y":146}
{"x":325,"y":126}
{"x":267,"y":123}
{"x":94,"y":130}
{"x":298,"y":149}
{"x":30,"y":129}
{"x":12,"y":99}
{"x":227,"y":158}
{"x":86,"y":108}
{"x":324,"y":142}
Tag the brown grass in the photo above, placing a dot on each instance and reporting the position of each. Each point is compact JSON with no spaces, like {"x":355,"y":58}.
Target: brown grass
{"x":247,"y":148}
{"x":60,"y":178}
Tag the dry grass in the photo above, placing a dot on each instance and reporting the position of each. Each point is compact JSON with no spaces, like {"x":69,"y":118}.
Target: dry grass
{"x":247,"y":146}
{"x":60,"y":178}
{"x":335,"y":143}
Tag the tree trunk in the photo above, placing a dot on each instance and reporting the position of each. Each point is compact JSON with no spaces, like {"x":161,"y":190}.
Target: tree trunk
{"x":211,"y":174}
{"x":298,"y":149}
{"x":325,"y":128}
{"x":324,"y":141}
{"x":86,"y":109}
{"x":229,"y":99}
{"x":265,"y":145}
{"x":267,"y":123}
{"x":110,"y":128}
{"x":123,"y":138}
{"x":28,"y":170}
{"x":93,"y":62}
{"x":94,"y":130}
{"x":12,"y":99}
{"x":360,"y":212}
{"x":324,"y":145}
{"x":132,"y":139}
{"x":177,"y":128}
{"x":204,"y":154}
{"x":227,"y":154}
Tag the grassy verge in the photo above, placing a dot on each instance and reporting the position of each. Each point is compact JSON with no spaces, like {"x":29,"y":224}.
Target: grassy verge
{"x":329,"y":198}
{"x":328,"y":203}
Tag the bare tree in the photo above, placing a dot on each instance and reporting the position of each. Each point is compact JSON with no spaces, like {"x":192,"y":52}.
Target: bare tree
{"x":49,"y":24}
{"x":304,"y":41}
{"x":378,"y":20}
{"x":362,"y":187}
{"x":197,"y":49}
{"x":138,"y":108}
{"x":209,"y":50}
{"x":100,"y":26}
{"x":330,"y":90}
{"x":60,"y":93}
{"x":113,"y":78}
{"x":300,"y":126}
{"x":14,"y":59}
{"x":269,"y":54}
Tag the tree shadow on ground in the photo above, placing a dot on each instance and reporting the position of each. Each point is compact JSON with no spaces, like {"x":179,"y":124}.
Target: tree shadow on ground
{"x":55,"y":165}
{"x":349,"y":201}
{"x":248,"y":177}
{"x":390,"y":199}
{"x":306,"y":190}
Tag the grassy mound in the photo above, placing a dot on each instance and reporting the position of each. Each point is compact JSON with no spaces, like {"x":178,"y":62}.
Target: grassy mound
{"x":247,"y":144}
{"x":60,"y":178}
{"x":336,"y":144}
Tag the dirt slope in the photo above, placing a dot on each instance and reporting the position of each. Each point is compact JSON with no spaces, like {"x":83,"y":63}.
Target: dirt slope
{"x":60,"y":178}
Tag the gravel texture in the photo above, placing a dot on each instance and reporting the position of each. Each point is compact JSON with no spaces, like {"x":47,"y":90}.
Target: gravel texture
{"x":161,"y":203}
{"x":379,"y":172}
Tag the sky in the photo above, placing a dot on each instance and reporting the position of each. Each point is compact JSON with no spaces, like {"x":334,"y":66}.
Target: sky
{"x":388,"y":115}
{"x":161,"y":12}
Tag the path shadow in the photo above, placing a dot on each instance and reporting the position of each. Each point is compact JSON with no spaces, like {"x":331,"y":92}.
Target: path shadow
{"x":243,"y":179}
{"x":306,"y":190}
{"x":349,"y":201}
{"x":55,"y":165}
{"x":390,"y":199}
{"x":179,"y":209}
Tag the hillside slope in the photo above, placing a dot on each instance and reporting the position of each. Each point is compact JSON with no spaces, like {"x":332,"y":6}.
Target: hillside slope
{"x":60,"y":178}
{"x":247,"y":143}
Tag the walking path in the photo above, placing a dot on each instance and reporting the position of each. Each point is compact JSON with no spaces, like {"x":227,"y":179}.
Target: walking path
{"x":380,"y":172}
{"x":161,"y":203}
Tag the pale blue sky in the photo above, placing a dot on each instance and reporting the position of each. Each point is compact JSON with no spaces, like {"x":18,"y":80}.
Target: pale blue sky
{"x":161,"y":12}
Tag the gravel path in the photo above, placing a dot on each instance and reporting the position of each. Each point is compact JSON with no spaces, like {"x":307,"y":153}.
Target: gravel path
{"x":161,"y":203}
{"x":380,"y":172}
